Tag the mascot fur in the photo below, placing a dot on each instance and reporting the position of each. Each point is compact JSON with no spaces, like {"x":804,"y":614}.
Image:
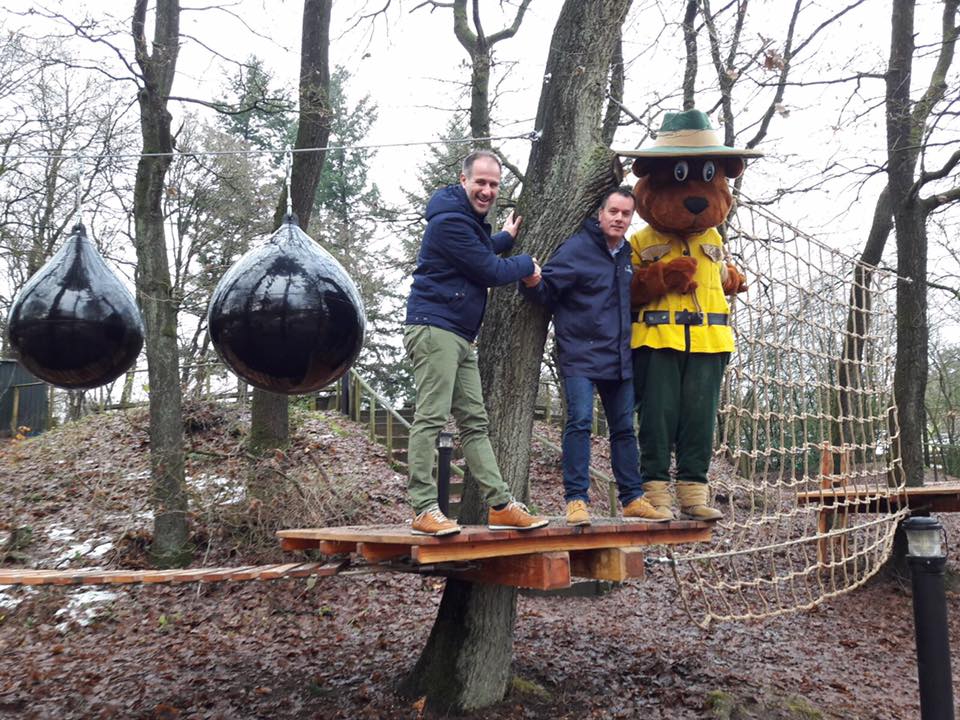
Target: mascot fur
{"x":681,"y":334}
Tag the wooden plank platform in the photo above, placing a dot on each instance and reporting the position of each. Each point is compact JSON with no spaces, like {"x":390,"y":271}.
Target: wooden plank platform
{"x":476,"y":542}
{"x":542,"y":559}
{"x":936,"y":497}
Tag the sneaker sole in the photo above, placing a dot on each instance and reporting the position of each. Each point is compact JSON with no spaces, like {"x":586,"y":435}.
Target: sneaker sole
{"x":439,"y":533}
{"x":518,"y":527}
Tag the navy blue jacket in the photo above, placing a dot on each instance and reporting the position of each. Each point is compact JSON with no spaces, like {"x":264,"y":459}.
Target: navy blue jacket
{"x":457,"y":263}
{"x":588,"y":290}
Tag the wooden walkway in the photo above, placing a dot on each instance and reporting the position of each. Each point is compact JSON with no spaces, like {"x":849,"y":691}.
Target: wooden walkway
{"x":936,"y":497}
{"x":544,"y":559}
{"x":17,"y":576}
{"x":547,"y":558}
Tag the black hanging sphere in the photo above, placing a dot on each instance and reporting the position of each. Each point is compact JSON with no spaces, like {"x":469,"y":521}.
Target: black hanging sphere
{"x":286,"y":317}
{"x":74,"y":324}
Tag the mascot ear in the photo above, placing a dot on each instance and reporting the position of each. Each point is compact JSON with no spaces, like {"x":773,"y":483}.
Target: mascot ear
{"x":733,"y":166}
{"x":642,"y":166}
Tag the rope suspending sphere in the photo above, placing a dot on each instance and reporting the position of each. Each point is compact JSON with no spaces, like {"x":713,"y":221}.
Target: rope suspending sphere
{"x":286,"y":317}
{"x":74,"y":324}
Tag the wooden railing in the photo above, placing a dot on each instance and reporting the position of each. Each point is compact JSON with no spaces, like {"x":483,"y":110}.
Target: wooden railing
{"x":359,"y":391}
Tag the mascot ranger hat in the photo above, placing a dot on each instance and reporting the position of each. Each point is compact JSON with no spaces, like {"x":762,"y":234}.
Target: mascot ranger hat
{"x":688,"y":134}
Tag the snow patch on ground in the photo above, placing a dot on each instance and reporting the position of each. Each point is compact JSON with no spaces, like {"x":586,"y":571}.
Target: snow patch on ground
{"x":223,"y":490}
{"x":83,"y":607}
{"x":9,"y":599}
{"x":93,"y":548}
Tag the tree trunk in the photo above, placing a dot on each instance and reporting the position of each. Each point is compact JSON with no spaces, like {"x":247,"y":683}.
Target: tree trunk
{"x":170,"y":530}
{"x":479,"y":90}
{"x":910,"y":375}
{"x":850,"y":371}
{"x":270,"y":412}
{"x":466,"y":663}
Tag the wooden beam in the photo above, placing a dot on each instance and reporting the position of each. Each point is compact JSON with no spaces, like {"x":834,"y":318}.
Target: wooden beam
{"x":616,"y":564}
{"x":336,"y":547}
{"x":378,"y":552}
{"x":455,"y":552}
{"x":289,"y":543}
{"x":541,"y":571}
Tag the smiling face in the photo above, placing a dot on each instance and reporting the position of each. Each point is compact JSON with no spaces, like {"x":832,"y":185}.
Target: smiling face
{"x":614,"y":217}
{"x":684,"y":196}
{"x":482,"y":184}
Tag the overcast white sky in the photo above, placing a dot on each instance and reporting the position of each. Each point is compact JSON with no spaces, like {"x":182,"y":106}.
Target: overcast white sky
{"x":410,"y":62}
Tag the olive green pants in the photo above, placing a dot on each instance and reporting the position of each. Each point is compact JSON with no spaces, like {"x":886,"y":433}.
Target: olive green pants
{"x":677,"y":395}
{"x":447,"y":380}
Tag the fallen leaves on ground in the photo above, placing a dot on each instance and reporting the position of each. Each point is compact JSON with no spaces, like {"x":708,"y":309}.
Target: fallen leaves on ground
{"x":334,"y":648}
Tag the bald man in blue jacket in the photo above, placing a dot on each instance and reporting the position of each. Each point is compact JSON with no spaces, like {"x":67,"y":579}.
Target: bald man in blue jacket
{"x":458,"y":261}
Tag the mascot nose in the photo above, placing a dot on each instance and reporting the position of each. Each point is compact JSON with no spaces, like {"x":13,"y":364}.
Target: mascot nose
{"x":696,"y":205}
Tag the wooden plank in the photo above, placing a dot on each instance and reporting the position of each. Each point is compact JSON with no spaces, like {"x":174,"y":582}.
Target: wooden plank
{"x":540,"y":571}
{"x":325,"y":570}
{"x":296,"y":543}
{"x":615,"y":564}
{"x":478,"y":550}
{"x":336,"y":547}
{"x":113,"y":577}
{"x":401,"y":534}
{"x":378,"y":552}
{"x":271,"y":572}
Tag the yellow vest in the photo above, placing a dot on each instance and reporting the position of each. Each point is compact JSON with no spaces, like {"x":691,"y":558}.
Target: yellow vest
{"x":708,"y":299}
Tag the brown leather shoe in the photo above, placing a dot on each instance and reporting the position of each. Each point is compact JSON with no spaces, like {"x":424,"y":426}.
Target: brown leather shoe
{"x":641,"y":509}
{"x":577,"y":513}
{"x":433,"y":522}
{"x":514,"y":516}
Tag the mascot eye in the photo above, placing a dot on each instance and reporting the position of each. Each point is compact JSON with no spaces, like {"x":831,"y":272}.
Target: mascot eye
{"x":709,"y":170}
{"x":680,"y":171}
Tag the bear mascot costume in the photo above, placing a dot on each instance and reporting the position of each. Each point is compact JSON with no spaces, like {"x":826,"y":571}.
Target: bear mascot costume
{"x":681,"y":334}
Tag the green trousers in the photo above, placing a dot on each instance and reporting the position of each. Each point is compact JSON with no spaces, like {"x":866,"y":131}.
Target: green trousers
{"x":677,"y":395}
{"x":447,"y":380}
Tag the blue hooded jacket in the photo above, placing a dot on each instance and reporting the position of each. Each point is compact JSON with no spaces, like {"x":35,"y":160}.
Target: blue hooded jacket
{"x":588,"y":290}
{"x":457,"y":263}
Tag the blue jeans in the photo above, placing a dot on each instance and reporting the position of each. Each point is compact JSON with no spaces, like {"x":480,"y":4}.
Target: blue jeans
{"x":618,"y":404}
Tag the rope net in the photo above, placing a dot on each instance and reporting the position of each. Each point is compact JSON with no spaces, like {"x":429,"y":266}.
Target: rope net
{"x":807,"y":434}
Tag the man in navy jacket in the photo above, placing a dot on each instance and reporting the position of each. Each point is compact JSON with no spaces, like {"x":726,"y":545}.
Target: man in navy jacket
{"x":457,"y":263}
{"x":586,"y":284}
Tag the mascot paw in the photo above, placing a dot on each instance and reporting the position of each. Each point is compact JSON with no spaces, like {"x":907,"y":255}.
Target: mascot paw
{"x":647,"y":284}
{"x":735,"y":283}
{"x":678,"y":275}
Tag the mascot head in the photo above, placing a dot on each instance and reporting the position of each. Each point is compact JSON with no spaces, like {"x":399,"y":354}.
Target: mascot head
{"x":682,"y":188}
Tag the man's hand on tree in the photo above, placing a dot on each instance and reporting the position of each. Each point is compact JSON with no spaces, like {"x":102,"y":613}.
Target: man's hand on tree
{"x":512,"y":225}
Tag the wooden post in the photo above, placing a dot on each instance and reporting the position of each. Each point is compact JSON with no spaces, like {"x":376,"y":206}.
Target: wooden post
{"x":612,"y":497}
{"x":373,"y":416}
{"x":357,"y":397}
{"x":14,"y":415}
{"x":389,"y":434}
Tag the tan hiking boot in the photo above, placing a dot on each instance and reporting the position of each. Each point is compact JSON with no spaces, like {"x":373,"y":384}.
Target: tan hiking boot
{"x":657,"y":493}
{"x":641,"y":509}
{"x":514,"y":516}
{"x":693,"y":498}
{"x":433,"y":522}
{"x":577,"y":513}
